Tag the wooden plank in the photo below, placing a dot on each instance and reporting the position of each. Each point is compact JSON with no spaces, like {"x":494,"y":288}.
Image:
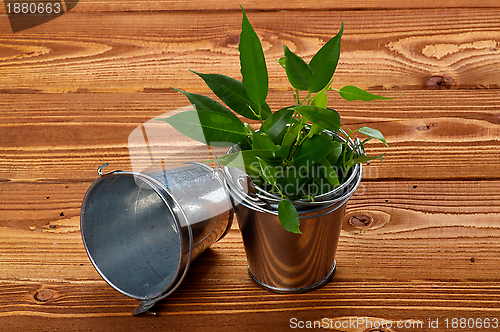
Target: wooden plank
{"x":219,"y":294}
{"x":233,"y":306}
{"x":414,"y":49}
{"x":223,"y":304}
{"x":420,"y":230}
{"x":94,"y":6}
{"x":420,"y":235}
{"x":451,"y":134}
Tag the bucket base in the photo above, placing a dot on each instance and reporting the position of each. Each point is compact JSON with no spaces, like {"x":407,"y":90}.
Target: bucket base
{"x":296,"y":290}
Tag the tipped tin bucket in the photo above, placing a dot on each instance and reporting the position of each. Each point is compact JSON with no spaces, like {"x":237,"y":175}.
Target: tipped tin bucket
{"x":142,"y":231}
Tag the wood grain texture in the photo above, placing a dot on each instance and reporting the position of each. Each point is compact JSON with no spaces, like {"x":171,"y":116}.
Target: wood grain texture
{"x":443,"y":134}
{"x":420,"y":236}
{"x":402,"y":215}
{"x":387,"y":49}
{"x":416,"y":261}
{"x":433,"y":222}
{"x":94,"y":6}
{"x":234,"y":305}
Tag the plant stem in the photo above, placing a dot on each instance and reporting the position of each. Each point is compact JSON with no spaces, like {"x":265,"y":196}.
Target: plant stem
{"x":295,"y":147}
{"x":362,"y":143}
{"x":308,"y":95}
{"x":283,"y":196}
{"x":257,"y":115}
{"x":302,"y":140}
{"x":346,"y":147}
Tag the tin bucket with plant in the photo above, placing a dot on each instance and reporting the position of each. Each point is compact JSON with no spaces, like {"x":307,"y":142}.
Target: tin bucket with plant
{"x":291,"y":175}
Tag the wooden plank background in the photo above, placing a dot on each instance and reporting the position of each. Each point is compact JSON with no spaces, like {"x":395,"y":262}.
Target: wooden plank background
{"x":73,"y":89}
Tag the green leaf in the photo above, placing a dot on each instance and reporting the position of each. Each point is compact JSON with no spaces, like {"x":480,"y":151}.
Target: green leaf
{"x":265,"y":111}
{"x":249,"y":130}
{"x":351,"y":92}
{"x":212,"y":128}
{"x":328,"y":172}
{"x":244,"y":160}
{"x":288,"y":216}
{"x":297,"y":70}
{"x":291,"y":183}
{"x":204,"y":103}
{"x":253,"y":63}
{"x":347,"y":154}
{"x":261,"y":141}
{"x":362,"y":159}
{"x":373,"y":133}
{"x":245,"y":144}
{"x":325,"y":179}
{"x":231,"y":92}
{"x":335,"y":153}
{"x":320,"y":99}
{"x":312,"y":151}
{"x":281,"y":61}
{"x":267,"y":172}
{"x":275,"y":124}
{"x":315,"y":130}
{"x":323,"y":117}
{"x":324,"y":62}
{"x":288,"y":140}
{"x":328,"y":134}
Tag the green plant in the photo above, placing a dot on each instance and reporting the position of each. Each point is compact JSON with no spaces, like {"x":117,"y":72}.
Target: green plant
{"x":295,"y":150}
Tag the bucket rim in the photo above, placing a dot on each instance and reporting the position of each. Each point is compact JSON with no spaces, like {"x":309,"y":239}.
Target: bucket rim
{"x":324,"y":198}
{"x":160,"y":190}
{"x":316,"y":210}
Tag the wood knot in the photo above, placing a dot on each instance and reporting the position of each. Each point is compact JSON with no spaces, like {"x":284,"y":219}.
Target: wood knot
{"x":440,"y":82}
{"x":426,"y":127}
{"x":44,"y":295}
{"x":233,"y":40}
{"x":360,"y":220}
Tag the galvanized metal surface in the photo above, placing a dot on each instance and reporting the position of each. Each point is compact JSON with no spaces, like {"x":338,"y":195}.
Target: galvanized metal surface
{"x":279,"y":260}
{"x":141,"y":231}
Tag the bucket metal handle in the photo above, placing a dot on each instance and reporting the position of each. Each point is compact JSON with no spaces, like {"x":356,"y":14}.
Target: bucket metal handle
{"x":99,"y":170}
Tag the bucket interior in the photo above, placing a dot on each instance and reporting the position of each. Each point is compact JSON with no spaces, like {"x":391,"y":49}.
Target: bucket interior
{"x":132,"y":235}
